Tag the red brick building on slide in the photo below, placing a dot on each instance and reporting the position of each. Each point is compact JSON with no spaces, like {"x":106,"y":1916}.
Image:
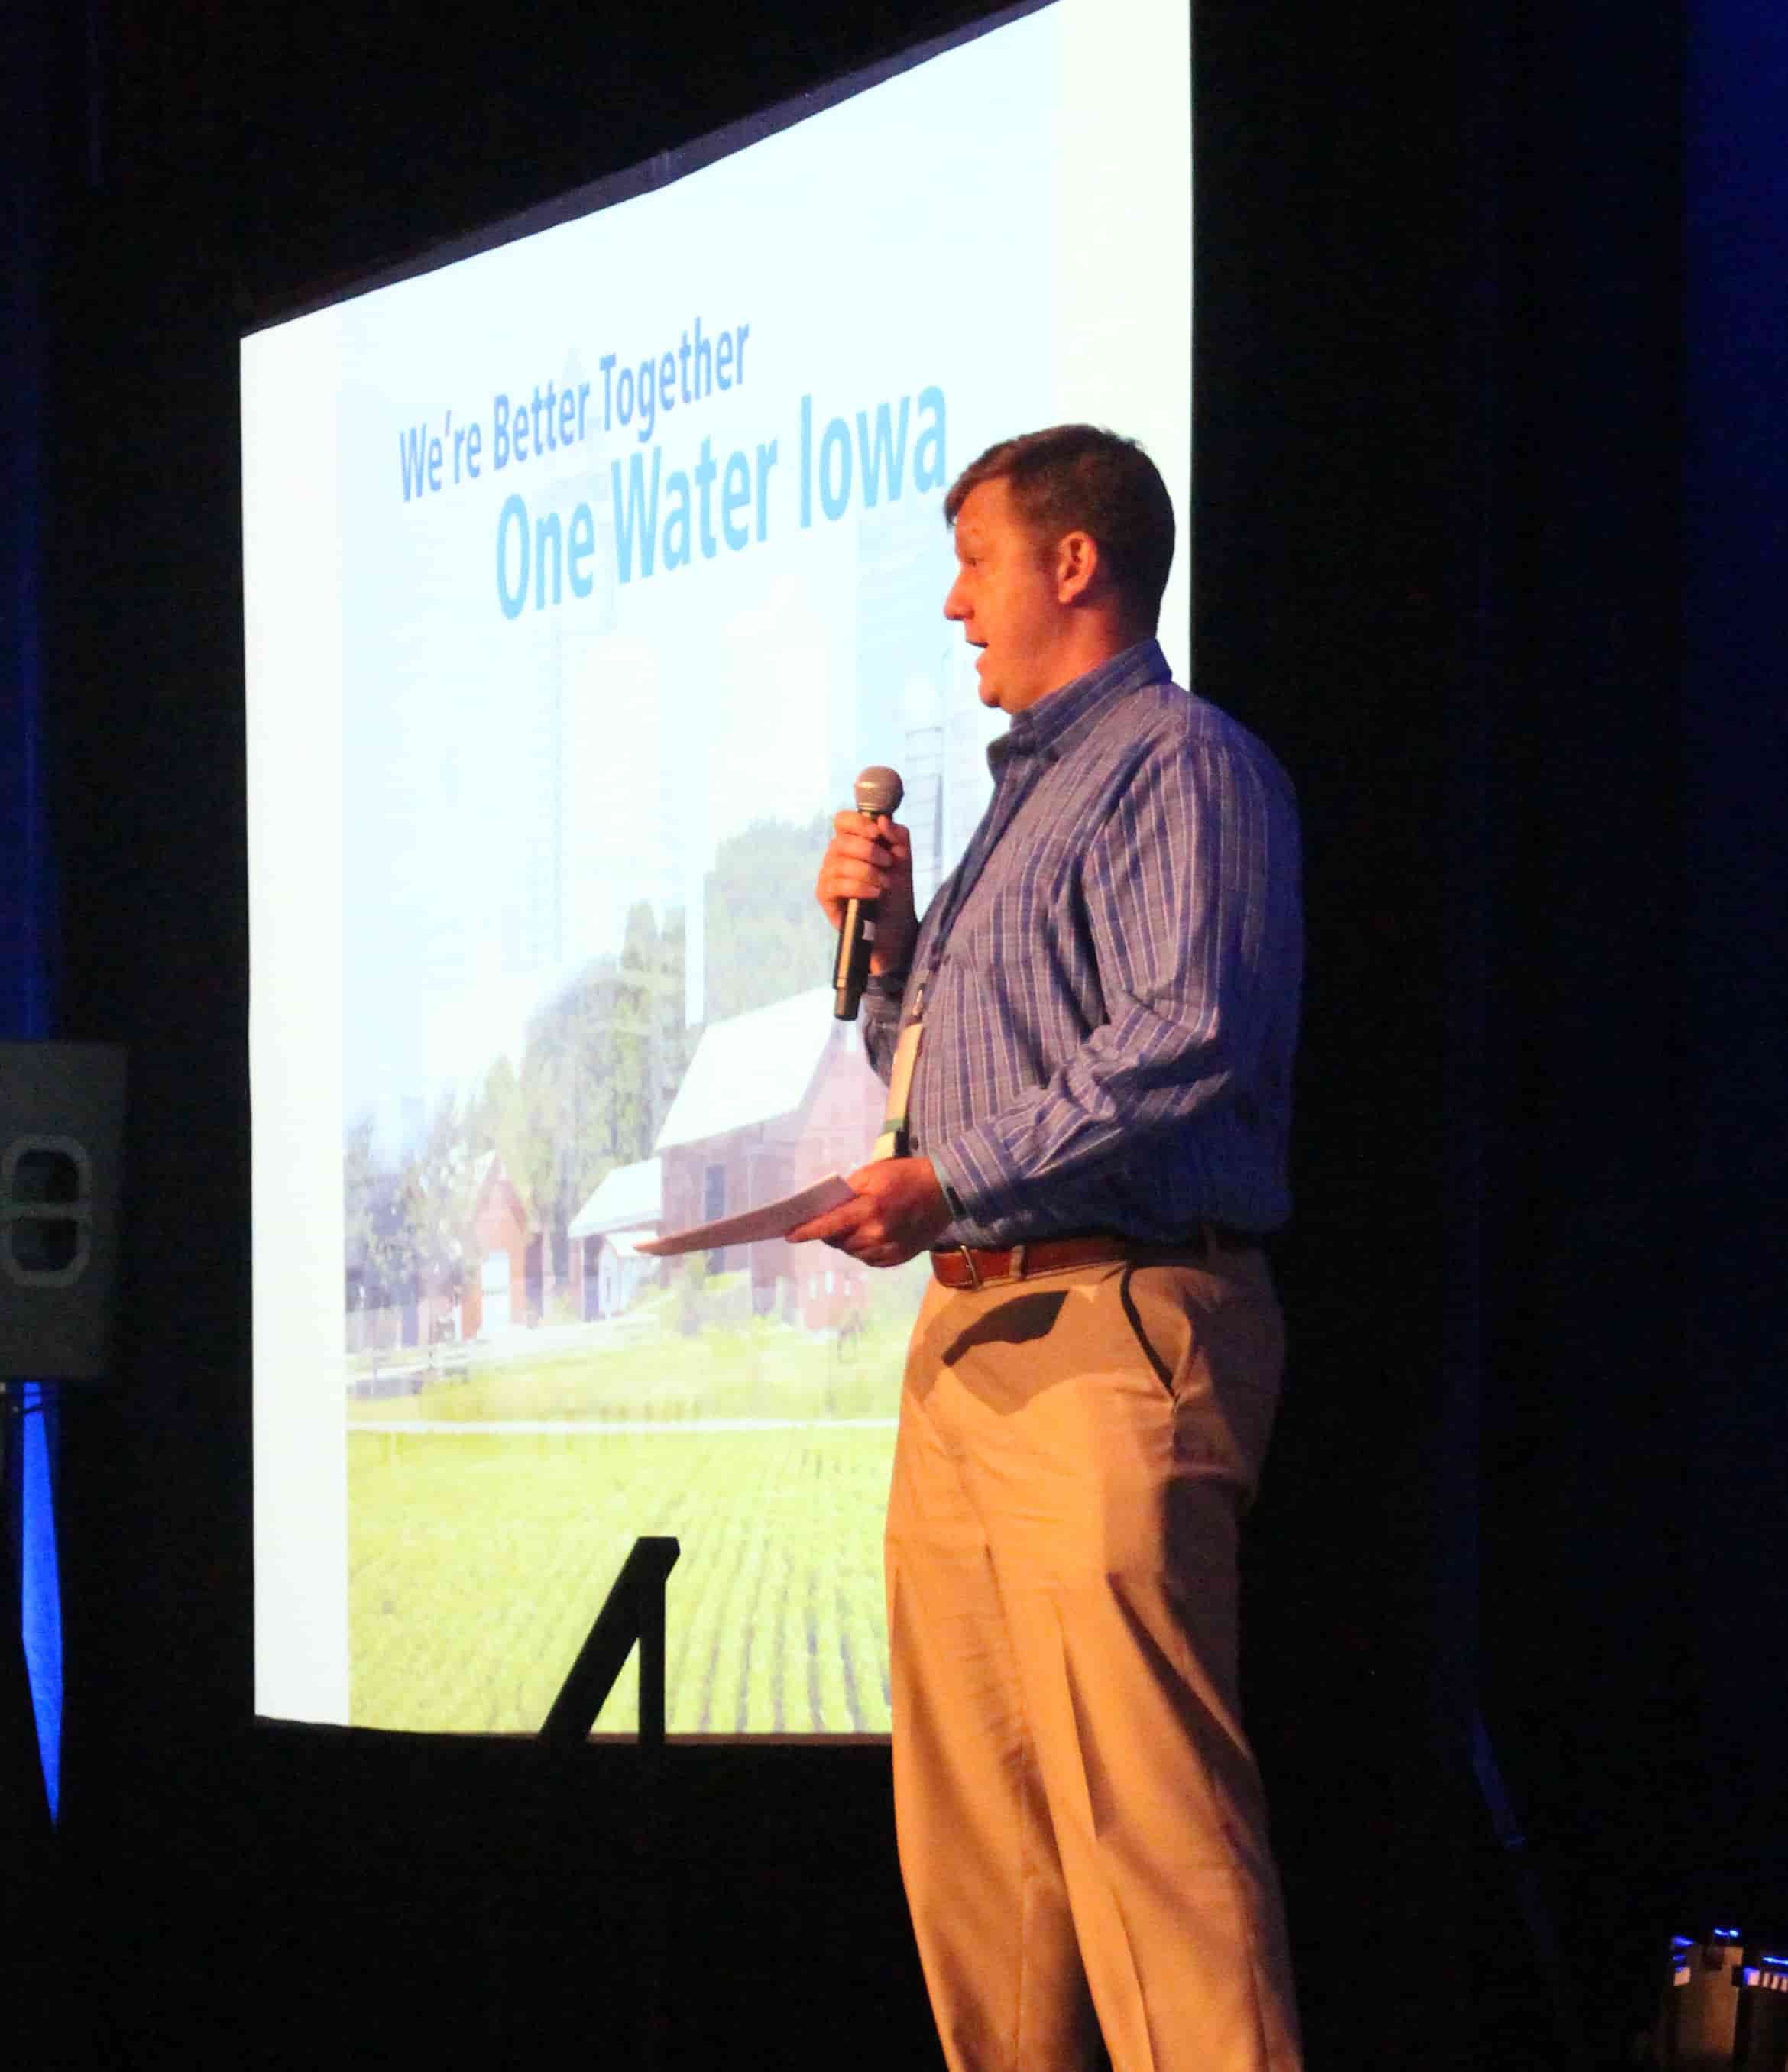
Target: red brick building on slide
{"x":503,"y":1288}
{"x":772,"y":1101}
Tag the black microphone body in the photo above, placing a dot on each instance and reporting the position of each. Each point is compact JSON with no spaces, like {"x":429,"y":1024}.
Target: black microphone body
{"x":878,"y":791}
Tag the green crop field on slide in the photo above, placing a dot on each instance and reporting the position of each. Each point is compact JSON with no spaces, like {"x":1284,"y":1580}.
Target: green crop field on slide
{"x":477,"y":1563}
{"x":477,"y":1559}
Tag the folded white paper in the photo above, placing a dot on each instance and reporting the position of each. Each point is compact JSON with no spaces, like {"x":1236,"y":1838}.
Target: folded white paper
{"x":771,"y":1219}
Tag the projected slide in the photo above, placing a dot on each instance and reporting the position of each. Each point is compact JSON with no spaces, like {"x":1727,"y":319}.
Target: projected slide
{"x":581,"y":576}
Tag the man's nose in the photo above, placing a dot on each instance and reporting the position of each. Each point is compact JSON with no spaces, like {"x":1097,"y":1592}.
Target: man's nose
{"x":953,"y":606}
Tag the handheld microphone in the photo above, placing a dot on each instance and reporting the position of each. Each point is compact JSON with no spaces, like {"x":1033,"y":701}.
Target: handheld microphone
{"x":878,"y":790}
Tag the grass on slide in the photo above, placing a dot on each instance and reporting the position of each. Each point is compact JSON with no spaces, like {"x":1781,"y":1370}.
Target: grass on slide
{"x":478,"y":1560}
{"x":477,"y":1563}
{"x":639,"y":1370}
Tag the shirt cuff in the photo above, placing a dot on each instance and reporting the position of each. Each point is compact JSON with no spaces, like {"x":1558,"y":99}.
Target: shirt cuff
{"x":958,"y":1212}
{"x":974,"y":1183}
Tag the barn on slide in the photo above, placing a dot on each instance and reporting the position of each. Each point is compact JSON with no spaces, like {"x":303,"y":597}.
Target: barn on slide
{"x":607,"y":1268}
{"x":773,"y":1101}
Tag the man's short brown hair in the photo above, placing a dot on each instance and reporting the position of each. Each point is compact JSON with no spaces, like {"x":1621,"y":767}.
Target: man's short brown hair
{"x":1078,"y":479}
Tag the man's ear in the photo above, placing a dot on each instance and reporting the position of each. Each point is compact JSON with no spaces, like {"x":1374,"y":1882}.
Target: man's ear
{"x":1077,"y":566}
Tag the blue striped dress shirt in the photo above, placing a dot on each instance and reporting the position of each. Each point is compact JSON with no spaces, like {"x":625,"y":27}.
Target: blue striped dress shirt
{"x":1108,"y":980}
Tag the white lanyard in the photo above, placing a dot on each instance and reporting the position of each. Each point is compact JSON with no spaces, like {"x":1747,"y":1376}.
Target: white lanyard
{"x":892,"y":1142}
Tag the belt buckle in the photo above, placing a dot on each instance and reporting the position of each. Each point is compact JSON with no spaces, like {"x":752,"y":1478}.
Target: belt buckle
{"x":969,"y":1260}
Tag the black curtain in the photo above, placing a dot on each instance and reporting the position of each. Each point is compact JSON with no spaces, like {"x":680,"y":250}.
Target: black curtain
{"x":1523,"y":1467}
{"x":1732,"y":742}
{"x":30,"y":176}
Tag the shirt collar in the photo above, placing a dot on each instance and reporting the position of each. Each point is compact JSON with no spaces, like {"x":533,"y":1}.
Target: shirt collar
{"x":1050,"y":727}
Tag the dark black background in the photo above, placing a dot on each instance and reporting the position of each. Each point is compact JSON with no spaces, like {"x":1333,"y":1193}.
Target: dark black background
{"x":1523,"y":1469}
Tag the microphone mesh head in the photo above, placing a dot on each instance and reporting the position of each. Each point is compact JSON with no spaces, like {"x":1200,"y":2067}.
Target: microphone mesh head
{"x":878,"y":789}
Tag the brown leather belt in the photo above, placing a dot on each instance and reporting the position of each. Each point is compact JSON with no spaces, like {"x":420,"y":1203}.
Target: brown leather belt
{"x":975,"y":1266}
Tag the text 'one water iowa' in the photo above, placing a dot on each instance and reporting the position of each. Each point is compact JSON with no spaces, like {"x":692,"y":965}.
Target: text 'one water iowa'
{"x":666,"y":518}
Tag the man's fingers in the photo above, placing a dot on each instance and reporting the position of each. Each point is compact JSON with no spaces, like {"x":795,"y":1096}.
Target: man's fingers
{"x":897,"y":838}
{"x":883,"y":842}
{"x":836,"y":1222}
{"x":856,"y":865}
{"x":846,"y":878}
{"x":847,"y":823}
{"x":859,"y":842}
{"x":858,"y":1227}
{"x":834,"y":897}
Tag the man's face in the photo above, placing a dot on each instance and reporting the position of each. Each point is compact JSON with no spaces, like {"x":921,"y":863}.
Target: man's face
{"x":1006,"y":598}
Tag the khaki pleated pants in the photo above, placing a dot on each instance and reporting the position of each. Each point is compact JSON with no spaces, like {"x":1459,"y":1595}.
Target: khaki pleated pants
{"x":1082,"y":1835}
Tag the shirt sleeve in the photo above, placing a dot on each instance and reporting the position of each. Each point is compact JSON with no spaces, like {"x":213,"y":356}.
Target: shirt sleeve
{"x":1191,"y":894}
{"x":879,"y":1018}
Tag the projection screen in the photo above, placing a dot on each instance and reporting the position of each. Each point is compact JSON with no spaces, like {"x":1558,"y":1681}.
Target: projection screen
{"x":583,"y":570}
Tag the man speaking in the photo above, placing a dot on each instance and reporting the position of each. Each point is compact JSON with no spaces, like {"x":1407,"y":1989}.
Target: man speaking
{"x":1090,"y":1040}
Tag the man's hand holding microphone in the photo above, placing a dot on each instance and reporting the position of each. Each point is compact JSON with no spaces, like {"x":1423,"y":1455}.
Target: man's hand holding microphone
{"x":866,"y":874}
